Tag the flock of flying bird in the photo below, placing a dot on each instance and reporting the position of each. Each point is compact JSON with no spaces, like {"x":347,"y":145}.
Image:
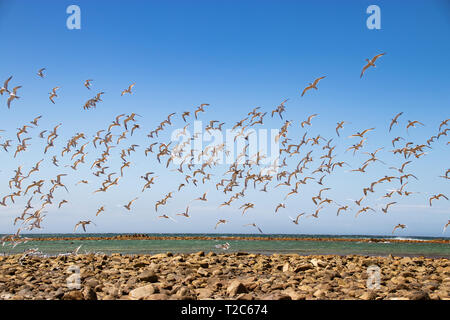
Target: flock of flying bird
{"x":245,"y":171}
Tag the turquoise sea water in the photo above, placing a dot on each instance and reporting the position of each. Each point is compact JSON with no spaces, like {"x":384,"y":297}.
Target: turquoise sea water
{"x":252,"y":246}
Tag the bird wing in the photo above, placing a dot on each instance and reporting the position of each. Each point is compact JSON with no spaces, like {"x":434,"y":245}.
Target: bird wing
{"x":317,"y":80}
{"x":364,"y":69}
{"x":377,"y":56}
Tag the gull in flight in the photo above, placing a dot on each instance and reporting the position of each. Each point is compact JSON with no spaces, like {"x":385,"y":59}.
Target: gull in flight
{"x":340,"y":125}
{"x":5,"y":86}
{"x":40,"y":72}
{"x":128,"y":90}
{"x":280,"y":205}
{"x":253,"y":225}
{"x":87,"y":83}
{"x":371,"y":63}
{"x":394,"y":120}
{"x":202,"y":198}
{"x":128,"y":206}
{"x":308,"y":122}
{"x":387,"y":206}
{"x":402,"y":226}
{"x":247,"y":206}
{"x":361,"y":134}
{"x":365,"y":209}
{"x":446,"y":225}
{"x":312,"y":85}
{"x":341,"y":208}
{"x":165,"y":216}
{"x":296,"y":219}
{"x":413,"y":124}
{"x":13,"y":95}
{"x":437,"y":197}
{"x":100,"y":210}
{"x":219,"y":222}
{"x":83,"y":224}
{"x":185,"y":213}
{"x":53,"y":94}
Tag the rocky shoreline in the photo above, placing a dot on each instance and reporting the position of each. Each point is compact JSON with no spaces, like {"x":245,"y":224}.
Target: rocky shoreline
{"x":240,"y":276}
{"x":147,"y":237}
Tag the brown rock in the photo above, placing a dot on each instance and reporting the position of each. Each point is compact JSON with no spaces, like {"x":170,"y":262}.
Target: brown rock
{"x":142,"y":292}
{"x":89,"y":293}
{"x":157,"y":296}
{"x":204,"y":293}
{"x":73,"y":295}
{"x":302,"y":267}
{"x":418,"y":295}
{"x":236,"y":287}
{"x":245,"y":296}
{"x":148,"y":276}
{"x":368,"y":295}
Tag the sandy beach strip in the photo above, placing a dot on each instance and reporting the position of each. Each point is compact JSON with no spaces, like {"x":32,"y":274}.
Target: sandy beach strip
{"x":240,"y":276}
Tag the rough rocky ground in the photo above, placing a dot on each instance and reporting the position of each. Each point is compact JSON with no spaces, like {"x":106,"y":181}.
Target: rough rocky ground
{"x":223,"y":276}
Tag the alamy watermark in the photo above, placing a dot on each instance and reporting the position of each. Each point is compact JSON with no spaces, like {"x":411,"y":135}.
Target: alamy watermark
{"x":374,"y":277}
{"x":73,"y":281}
{"x":374,"y":20}
{"x":74,"y":20}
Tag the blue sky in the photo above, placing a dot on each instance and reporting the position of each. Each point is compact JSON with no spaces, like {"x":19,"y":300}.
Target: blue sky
{"x":234,"y":55}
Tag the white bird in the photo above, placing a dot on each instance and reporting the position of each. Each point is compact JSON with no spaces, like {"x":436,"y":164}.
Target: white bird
{"x":13,"y":95}
{"x":224,"y":246}
{"x":5,"y":86}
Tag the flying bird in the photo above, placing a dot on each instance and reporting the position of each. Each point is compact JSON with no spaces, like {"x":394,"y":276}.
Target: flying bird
{"x":83,"y":224}
{"x":401,"y":226}
{"x":312,"y":85}
{"x":13,"y":95}
{"x":394,"y":120}
{"x":220,"y":221}
{"x":53,"y":94}
{"x":385,"y":209}
{"x":253,"y":225}
{"x":40,"y":72}
{"x":87,"y":83}
{"x":128,"y":90}
{"x":371,"y":63}
{"x":5,"y":86}
{"x":128,"y":206}
{"x":295,"y":221}
{"x":437,"y":197}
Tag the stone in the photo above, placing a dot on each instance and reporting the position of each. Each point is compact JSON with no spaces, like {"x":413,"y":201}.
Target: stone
{"x":142,"y":292}
{"x":302,"y":267}
{"x":294,"y":295}
{"x":89,"y":293}
{"x":73,"y":295}
{"x":236,"y":287}
{"x":245,"y":296}
{"x":148,"y":276}
{"x":368,"y":295}
{"x":318,"y":263}
{"x":157,"y":296}
{"x":418,"y":295}
{"x":204,"y":293}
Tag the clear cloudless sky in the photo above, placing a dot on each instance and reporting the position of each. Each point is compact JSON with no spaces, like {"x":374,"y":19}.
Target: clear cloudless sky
{"x":234,"y":55}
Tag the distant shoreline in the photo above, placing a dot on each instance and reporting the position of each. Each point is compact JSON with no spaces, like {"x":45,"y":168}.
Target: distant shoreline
{"x":251,"y":238}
